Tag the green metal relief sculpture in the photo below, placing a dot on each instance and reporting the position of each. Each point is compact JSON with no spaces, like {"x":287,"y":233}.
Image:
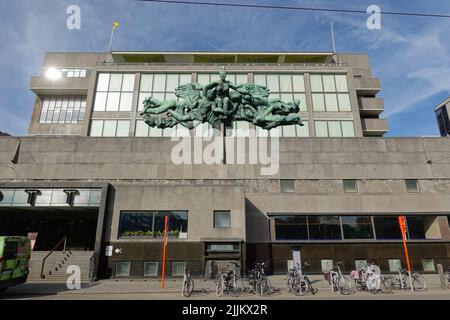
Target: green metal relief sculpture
{"x":221,"y":102}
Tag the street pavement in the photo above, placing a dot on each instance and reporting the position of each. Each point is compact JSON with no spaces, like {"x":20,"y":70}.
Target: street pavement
{"x":139,"y":289}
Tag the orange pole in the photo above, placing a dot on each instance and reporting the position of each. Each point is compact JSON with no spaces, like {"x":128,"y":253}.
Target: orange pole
{"x":402,"y":222}
{"x":166,"y":225}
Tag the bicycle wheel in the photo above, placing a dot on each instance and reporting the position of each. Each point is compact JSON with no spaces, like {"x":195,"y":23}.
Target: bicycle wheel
{"x":344,"y":286}
{"x":263,"y":286}
{"x":418,"y":282}
{"x":301,"y":287}
{"x":188,"y":287}
{"x":219,"y":287}
{"x":235,"y":287}
{"x":385,"y":286}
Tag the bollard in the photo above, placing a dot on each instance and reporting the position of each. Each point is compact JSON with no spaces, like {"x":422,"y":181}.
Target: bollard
{"x":440,"y":269}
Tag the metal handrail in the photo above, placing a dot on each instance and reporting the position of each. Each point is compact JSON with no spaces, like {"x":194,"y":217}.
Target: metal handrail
{"x":48,"y":255}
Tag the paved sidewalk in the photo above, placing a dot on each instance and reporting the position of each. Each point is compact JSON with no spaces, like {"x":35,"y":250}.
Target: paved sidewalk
{"x":151,"y":290}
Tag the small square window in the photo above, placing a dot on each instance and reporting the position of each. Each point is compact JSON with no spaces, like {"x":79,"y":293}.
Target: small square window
{"x":287,"y":186}
{"x":178,"y":268}
{"x":350,"y":186}
{"x":412,"y":185}
{"x":361,"y":265}
{"x":222,"y":219}
{"x":327,"y":265}
{"x":150,"y":269}
{"x":395,"y":265}
{"x":290,"y":265}
{"x":428,"y":265}
{"x":123,"y":269}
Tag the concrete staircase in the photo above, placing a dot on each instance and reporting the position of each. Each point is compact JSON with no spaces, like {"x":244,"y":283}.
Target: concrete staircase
{"x":56,"y":265}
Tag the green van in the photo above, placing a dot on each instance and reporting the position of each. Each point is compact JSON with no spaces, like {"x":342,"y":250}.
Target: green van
{"x":15,"y":253}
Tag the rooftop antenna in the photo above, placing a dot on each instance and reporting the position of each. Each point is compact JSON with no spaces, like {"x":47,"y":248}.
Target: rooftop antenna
{"x":334,"y":41}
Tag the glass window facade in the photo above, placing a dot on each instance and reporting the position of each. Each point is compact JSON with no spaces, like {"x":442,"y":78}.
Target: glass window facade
{"x":110,"y":128}
{"x":222,"y":219}
{"x":123,"y":269}
{"x":150,"y":268}
{"x":357,"y":227}
{"x":334,"y":129}
{"x":63,"y":109}
{"x":330,"y":93}
{"x":161,"y":86}
{"x":114,"y":92}
{"x":287,"y":186}
{"x":287,"y":87}
{"x":178,"y":269}
{"x":74,"y":73}
{"x":151,"y":224}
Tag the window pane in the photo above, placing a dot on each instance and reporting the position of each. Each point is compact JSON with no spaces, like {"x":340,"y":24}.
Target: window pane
{"x":141,"y":129}
{"x":123,"y":269}
{"x":241,"y":78}
{"x":291,"y":228}
{"x":331,"y":102}
{"x":428,"y":265}
{"x":350,"y":186}
{"x":172,"y":82}
{"x":299,"y":83}
{"x":168,"y":132}
{"x":344,"y":102}
{"x":185,"y":78}
{"x":178,"y":268}
{"x":357,"y":227}
{"x":109,"y":128}
{"x":126,"y":101}
{"x":286,"y":83}
{"x":324,"y":227}
{"x":412,"y":185}
{"x":100,"y":101}
{"x":147,"y":82}
{"x":123,"y":128}
{"x":203,"y":79}
{"x":155,"y":132}
{"x":423,"y":227}
{"x":96,"y":128}
{"x":341,"y":83}
{"x":128,"y":82}
{"x":159,"y":84}
{"x":303,"y":131}
{"x":328,"y":83}
{"x":242,"y":129}
{"x":395,"y":265}
{"x":272,"y":83}
{"x":113,"y":101}
{"x":321,"y":129}
{"x":260,"y":79}
{"x":318,"y":102}
{"x":178,"y":221}
{"x":334,"y":128}
{"x":302,"y":98}
{"x":115,"y":83}
{"x":222,"y":219}
{"x":136,"y":224}
{"x":287,"y":186}
{"x":142,"y":98}
{"x":150,"y":269}
{"x":103,"y":82}
{"x":286,"y":97}
{"x":387,"y":228}
{"x":316,"y":83}
{"x":347,"y":129}
{"x":289,"y":131}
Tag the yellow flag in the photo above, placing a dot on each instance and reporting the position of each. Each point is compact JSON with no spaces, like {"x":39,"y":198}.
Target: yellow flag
{"x":115,"y":25}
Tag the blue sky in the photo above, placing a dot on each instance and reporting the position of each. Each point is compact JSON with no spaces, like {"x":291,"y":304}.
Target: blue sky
{"x":411,"y":55}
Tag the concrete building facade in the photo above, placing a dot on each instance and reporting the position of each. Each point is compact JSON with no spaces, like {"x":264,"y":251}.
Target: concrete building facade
{"x":91,"y":170}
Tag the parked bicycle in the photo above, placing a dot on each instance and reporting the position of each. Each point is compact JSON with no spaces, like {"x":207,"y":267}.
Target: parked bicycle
{"x":229,"y":282}
{"x":371,"y":280}
{"x":298,"y":282}
{"x":338,"y":281}
{"x":448,"y":278}
{"x":403,"y":281}
{"x":188,"y":284}
{"x":258,"y":281}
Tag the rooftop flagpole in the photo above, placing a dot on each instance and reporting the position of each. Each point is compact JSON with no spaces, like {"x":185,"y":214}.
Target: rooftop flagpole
{"x":114,"y":27}
{"x":334,"y":41}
